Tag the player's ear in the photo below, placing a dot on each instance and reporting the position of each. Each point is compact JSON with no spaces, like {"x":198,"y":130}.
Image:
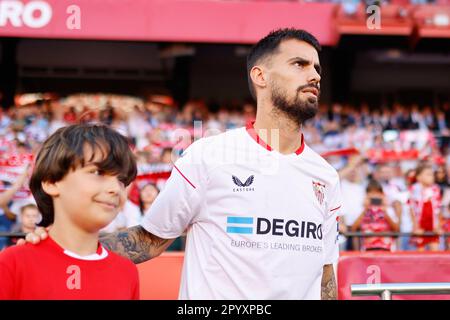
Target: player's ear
{"x":50,"y":188}
{"x":258,"y":76}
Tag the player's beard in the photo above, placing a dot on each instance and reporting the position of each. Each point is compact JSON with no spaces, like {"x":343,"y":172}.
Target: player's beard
{"x":297,"y":110}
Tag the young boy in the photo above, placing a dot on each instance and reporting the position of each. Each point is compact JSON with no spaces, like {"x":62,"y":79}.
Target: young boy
{"x":78,"y":182}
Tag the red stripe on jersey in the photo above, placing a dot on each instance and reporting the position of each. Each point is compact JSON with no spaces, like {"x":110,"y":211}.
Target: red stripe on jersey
{"x":184,"y":177}
{"x":302,"y":146}
{"x":252,"y":132}
{"x":335,"y":208}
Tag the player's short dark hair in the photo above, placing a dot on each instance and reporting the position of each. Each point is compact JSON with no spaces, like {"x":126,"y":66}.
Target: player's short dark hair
{"x":269,"y":45}
{"x":64,"y":151}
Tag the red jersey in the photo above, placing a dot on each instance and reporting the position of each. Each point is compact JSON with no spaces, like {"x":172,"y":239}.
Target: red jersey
{"x":425,"y":201}
{"x":426,"y":204}
{"x":374,"y":220}
{"x":47,"y":271}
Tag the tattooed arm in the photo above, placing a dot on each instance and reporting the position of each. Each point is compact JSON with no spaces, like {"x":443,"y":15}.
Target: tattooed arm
{"x":135,"y":243}
{"x":329,"y":290}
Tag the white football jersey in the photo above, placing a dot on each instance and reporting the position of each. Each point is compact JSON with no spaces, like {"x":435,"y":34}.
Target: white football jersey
{"x":260,"y":224}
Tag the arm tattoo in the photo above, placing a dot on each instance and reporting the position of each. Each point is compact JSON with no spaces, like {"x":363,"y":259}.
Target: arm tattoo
{"x":329,"y":290}
{"x":136,"y":244}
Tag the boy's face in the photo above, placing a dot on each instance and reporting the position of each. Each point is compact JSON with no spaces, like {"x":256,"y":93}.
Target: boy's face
{"x":88,"y":197}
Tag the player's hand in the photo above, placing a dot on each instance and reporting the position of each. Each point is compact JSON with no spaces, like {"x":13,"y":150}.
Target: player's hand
{"x":34,"y":237}
{"x":419,"y":231}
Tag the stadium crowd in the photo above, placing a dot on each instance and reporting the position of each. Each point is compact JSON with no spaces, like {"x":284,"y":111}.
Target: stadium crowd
{"x":393,"y":160}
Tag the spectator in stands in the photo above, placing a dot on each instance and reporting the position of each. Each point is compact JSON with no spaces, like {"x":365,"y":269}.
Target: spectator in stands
{"x":350,"y":7}
{"x":425,"y":207}
{"x":375,"y":218}
{"x":118,"y":122}
{"x":147,"y":194}
{"x":166,"y":156}
{"x":150,"y":125}
{"x":441,"y":178}
{"x":56,"y":118}
{"x":106,"y":116}
{"x":445,"y":222}
{"x":29,"y":217}
{"x":441,"y":123}
{"x":406,"y":224}
{"x":70,"y":116}
{"x":353,"y":192}
{"x":7,"y":218}
{"x":384,"y":174}
{"x":6,"y":211}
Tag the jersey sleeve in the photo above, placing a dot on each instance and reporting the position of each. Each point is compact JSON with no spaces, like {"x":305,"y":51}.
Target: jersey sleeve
{"x":331,"y":224}
{"x":179,"y":203}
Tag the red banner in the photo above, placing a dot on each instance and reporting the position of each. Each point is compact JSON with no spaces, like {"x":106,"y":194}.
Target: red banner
{"x":162,"y":20}
{"x":400,"y":267}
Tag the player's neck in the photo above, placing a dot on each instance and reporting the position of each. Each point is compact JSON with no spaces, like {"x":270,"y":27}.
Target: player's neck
{"x":279,"y":133}
{"x":73,"y":238}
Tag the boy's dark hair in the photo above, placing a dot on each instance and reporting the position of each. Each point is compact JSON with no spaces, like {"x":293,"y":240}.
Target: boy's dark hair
{"x":374,"y":186}
{"x":269,"y":45}
{"x":64,"y":151}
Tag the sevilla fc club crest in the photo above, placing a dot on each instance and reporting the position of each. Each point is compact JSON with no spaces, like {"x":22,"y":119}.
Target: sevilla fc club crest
{"x":319,"y":191}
